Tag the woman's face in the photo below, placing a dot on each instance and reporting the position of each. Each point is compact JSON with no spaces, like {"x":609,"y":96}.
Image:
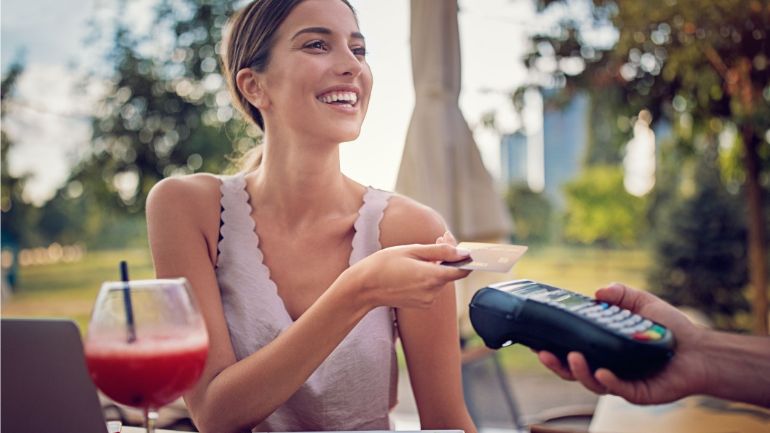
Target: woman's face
{"x":317,"y":81}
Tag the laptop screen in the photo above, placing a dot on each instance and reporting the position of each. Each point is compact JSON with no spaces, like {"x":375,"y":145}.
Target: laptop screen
{"x":45,"y":383}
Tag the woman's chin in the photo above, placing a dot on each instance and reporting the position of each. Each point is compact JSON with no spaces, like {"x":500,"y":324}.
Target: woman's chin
{"x":343,"y":135}
{"x":332,"y":132}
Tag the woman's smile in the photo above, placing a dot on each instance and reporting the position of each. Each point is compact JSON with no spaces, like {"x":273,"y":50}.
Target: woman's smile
{"x":342,"y":98}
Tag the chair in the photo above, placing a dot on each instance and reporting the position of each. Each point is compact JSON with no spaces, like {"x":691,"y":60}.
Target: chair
{"x":492,"y":404}
{"x":487,"y":391}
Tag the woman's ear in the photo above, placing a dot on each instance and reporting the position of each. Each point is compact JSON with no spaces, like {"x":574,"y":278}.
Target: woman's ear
{"x":250,"y":84}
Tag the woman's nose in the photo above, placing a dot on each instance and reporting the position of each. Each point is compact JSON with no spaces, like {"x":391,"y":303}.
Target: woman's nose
{"x":348,"y":64}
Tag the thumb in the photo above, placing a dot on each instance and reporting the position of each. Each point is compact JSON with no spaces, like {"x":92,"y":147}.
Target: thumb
{"x":624,"y":296}
{"x":439,"y":252}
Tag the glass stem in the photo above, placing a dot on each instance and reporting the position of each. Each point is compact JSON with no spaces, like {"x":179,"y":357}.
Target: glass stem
{"x":150,"y":417}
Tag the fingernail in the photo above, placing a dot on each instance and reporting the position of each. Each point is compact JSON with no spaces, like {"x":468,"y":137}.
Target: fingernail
{"x":463,"y":252}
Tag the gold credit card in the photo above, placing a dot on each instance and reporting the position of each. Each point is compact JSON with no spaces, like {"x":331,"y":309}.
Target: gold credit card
{"x":489,"y":257}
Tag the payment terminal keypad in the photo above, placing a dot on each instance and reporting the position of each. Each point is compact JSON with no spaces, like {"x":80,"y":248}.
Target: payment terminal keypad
{"x":609,"y":316}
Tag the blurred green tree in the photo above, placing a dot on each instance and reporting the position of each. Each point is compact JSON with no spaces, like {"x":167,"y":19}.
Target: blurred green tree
{"x":166,"y":110}
{"x":709,"y":61}
{"x":16,"y":213}
{"x":699,"y":248}
{"x":599,"y":210}
{"x":531,"y":212}
{"x":18,"y":216}
{"x":605,"y":139}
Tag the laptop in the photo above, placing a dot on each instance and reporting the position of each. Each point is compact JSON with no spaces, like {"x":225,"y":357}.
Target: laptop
{"x":45,"y":383}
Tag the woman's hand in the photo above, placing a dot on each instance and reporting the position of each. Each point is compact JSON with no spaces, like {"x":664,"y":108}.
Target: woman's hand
{"x":684,"y":375}
{"x":448,"y":238}
{"x":408,"y":276}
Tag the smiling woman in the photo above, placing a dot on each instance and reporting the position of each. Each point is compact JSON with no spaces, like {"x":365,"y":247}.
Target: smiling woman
{"x":305,"y":277}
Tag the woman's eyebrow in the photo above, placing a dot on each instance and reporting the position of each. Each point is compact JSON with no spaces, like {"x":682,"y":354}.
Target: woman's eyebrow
{"x":325,"y":31}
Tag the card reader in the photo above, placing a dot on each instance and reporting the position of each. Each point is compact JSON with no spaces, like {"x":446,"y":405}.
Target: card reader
{"x":544,"y":317}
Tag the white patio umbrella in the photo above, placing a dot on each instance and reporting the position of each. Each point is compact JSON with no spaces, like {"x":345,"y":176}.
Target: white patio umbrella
{"x":441,"y":165}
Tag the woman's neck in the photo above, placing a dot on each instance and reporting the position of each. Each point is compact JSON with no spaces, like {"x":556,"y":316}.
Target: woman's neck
{"x":300,"y":183}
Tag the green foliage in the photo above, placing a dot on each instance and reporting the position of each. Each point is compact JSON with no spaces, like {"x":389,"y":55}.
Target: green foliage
{"x":18,"y":216}
{"x":606,"y":138}
{"x":166,"y":111}
{"x":531,"y":213}
{"x":699,"y":245}
{"x":664,"y":49}
{"x":706,"y":60}
{"x":701,"y":65}
{"x":599,"y":210}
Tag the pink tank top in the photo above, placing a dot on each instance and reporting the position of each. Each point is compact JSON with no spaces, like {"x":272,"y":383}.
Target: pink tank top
{"x":355,"y":387}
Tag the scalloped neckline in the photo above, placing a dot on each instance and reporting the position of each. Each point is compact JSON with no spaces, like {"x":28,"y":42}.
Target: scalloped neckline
{"x":261,"y":255}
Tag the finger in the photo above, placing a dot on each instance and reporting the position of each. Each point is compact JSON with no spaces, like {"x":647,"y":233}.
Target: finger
{"x":450,"y":237}
{"x":624,"y":296}
{"x":448,"y":274}
{"x":438,"y":252}
{"x":440,"y":274}
{"x":582,"y":372}
{"x":446,"y":238}
{"x":613,"y":385}
{"x":554,"y":364}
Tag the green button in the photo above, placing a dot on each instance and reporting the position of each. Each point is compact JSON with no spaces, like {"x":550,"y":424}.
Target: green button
{"x":659,"y":329}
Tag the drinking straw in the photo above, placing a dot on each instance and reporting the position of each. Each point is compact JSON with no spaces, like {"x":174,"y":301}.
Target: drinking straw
{"x":127,"y":302}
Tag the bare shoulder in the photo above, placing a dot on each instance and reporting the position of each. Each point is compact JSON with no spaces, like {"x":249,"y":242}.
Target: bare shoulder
{"x":191,"y":202}
{"x":193,"y":192}
{"x":407,"y":221}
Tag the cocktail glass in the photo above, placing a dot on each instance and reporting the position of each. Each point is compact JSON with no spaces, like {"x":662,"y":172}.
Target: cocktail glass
{"x":146,"y":343}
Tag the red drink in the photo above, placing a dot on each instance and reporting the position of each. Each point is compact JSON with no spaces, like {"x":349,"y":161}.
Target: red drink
{"x":148,"y":373}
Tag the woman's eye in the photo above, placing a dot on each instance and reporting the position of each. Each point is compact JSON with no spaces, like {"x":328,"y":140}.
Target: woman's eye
{"x":317,"y":45}
{"x":359,"y":51}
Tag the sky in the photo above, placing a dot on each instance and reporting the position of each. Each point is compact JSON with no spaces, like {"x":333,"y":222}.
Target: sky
{"x":51,"y":122}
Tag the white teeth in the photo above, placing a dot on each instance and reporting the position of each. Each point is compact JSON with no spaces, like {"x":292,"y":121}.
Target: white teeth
{"x":330,"y":97}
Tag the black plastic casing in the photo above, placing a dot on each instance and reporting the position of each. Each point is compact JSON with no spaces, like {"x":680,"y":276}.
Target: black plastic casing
{"x":499,"y":317}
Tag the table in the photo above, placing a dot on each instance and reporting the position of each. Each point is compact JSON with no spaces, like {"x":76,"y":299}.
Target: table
{"x":701,"y":414}
{"x":127,"y":429}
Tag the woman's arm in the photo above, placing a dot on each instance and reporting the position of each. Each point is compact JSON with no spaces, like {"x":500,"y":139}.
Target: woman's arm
{"x":230,"y":395}
{"x":432,"y":348}
{"x":430,"y":336}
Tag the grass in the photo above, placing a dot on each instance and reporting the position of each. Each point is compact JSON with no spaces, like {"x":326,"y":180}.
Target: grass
{"x":584,"y":269}
{"x":69,"y":289}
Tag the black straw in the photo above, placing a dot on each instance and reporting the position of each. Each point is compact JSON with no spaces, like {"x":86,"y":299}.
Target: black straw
{"x":127,"y":302}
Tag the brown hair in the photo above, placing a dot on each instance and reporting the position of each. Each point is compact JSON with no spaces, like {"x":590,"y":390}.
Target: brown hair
{"x":248,"y":44}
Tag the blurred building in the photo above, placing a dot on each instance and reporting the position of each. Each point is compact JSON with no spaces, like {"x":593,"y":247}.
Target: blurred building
{"x":513,"y":157}
{"x":547,"y":159}
{"x":565,"y":136}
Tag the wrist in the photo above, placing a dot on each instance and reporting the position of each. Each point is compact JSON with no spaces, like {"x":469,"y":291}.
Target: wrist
{"x":730,"y":366}
{"x":707,"y":372}
{"x":353,"y":288}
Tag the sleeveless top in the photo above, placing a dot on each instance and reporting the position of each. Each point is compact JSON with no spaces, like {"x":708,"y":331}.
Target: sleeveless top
{"x":355,"y":387}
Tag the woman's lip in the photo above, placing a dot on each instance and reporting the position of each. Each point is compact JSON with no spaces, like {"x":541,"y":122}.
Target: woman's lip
{"x":341,"y":88}
{"x":343,"y":108}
